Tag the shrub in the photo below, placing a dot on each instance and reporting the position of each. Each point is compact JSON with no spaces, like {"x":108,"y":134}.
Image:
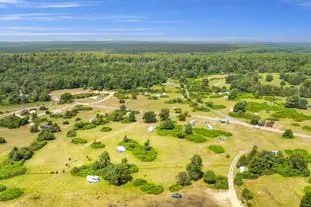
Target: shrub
{"x":12,"y":169}
{"x":10,"y":194}
{"x":211,"y":133}
{"x":150,"y":188}
{"x":23,"y":153}
{"x":217,"y":149}
{"x":288,"y":134}
{"x":106,"y":129}
{"x":2,"y":187}
{"x":210,"y":177}
{"x":121,"y":101}
{"x":133,"y":168}
{"x":247,"y":194}
{"x":307,"y":189}
{"x":307,"y":128}
{"x":66,"y":123}
{"x":2,"y":140}
{"x":183,"y":178}
{"x":46,"y":135}
{"x":196,"y":138}
{"x":175,"y":188}
{"x":221,"y":183}
{"x":178,"y":110}
{"x":309,"y":180}
{"x":97,"y":145}
{"x":296,"y":124}
{"x":78,"y":141}
{"x":238,"y":180}
{"x":37,"y":145}
{"x":71,"y":133}
{"x":139,"y":182}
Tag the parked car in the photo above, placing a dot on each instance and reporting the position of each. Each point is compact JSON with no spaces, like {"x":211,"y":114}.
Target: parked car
{"x":176,"y":195}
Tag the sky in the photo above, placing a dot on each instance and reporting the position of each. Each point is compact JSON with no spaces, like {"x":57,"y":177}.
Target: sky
{"x":156,"y":20}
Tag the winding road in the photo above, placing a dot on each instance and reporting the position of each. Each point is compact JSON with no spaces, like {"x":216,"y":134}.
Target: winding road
{"x":233,"y":196}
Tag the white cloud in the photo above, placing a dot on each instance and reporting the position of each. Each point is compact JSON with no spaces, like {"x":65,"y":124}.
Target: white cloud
{"x":44,"y":5}
{"x":34,"y":17}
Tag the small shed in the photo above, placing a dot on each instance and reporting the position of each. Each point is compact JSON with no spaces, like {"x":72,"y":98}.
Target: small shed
{"x":92,"y":179}
{"x":151,"y":129}
{"x":120,"y":149}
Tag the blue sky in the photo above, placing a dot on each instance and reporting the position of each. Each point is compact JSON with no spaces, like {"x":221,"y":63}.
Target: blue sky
{"x":172,"y":20}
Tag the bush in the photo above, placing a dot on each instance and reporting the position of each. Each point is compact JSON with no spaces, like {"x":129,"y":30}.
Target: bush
{"x":37,"y":145}
{"x":175,"y":188}
{"x":247,"y":195}
{"x":307,"y":128}
{"x":106,"y":129}
{"x":71,"y":133}
{"x":97,"y":145}
{"x":150,"y":188}
{"x":196,"y":138}
{"x":12,"y":122}
{"x":2,"y":187}
{"x":288,"y":134}
{"x":12,"y":169}
{"x":139,"y":182}
{"x":46,"y":135}
{"x":307,"y":189}
{"x":210,"y":177}
{"x":217,"y":149}
{"x":211,"y":133}
{"x":309,"y":180}
{"x":238,"y":180}
{"x":10,"y":194}
{"x":66,"y":123}
{"x":2,"y":140}
{"x":78,"y":141}
{"x":133,"y":168}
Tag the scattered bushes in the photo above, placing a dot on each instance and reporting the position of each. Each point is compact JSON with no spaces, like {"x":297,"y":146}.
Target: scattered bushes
{"x":12,"y":122}
{"x":175,"y":188}
{"x":2,"y":140}
{"x":78,"y":141}
{"x":10,"y":169}
{"x":97,"y":145}
{"x":10,"y":194}
{"x":217,"y":149}
{"x":37,"y":145}
{"x":144,"y":153}
{"x":46,"y":135}
{"x":244,"y":115}
{"x":291,"y":114}
{"x":23,"y":153}
{"x":196,"y":138}
{"x":106,"y":129}
{"x":216,"y":181}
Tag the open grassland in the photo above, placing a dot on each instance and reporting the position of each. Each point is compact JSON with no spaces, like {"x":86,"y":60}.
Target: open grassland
{"x":45,"y":189}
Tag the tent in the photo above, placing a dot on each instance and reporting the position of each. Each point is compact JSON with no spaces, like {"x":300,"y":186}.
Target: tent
{"x":120,"y":149}
{"x":92,"y":179}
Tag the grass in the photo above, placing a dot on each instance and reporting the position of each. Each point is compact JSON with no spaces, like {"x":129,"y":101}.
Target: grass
{"x":172,"y":157}
{"x":217,"y":149}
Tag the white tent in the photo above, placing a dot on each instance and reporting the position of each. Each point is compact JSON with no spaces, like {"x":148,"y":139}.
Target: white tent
{"x":120,"y":149}
{"x":150,"y":129}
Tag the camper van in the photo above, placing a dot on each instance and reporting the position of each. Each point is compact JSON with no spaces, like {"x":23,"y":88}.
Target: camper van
{"x":92,"y":179}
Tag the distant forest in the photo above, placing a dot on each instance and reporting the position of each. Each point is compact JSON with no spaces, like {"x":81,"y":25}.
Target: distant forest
{"x":143,"y":47}
{"x":28,"y":77}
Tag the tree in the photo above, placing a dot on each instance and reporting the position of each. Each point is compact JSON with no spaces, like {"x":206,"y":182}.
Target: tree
{"x":188,"y":129}
{"x":183,"y":179}
{"x":118,"y":174}
{"x":167,"y":124}
{"x":306,"y":200}
{"x":210,"y":177}
{"x":194,"y":168}
{"x":296,"y":102}
{"x":66,"y":98}
{"x":124,"y":161}
{"x":147,"y":145}
{"x":254,"y":121}
{"x":34,"y":128}
{"x":164,"y":114}
{"x":298,"y":162}
{"x":2,"y":140}
{"x":149,"y":117}
{"x":103,"y":161}
{"x":233,"y":95}
{"x":182,"y":117}
{"x":123,"y":107}
{"x":240,"y":106}
{"x":46,"y":135}
{"x":288,"y":134}
{"x":134,"y":96}
{"x":132,"y":117}
{"x":269,"y":78}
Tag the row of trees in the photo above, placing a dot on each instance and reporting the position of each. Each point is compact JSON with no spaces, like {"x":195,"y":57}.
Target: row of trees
{"x":24,"y":74}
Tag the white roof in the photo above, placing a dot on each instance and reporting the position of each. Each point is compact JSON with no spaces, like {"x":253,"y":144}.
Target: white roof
{"x":242,"y":169}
